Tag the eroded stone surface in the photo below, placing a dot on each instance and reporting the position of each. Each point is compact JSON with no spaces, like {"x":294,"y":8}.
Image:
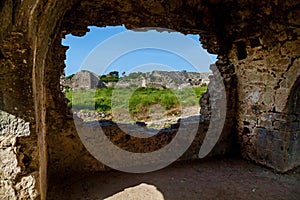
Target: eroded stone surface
{"x":257,"y":43}
{"x":26,"y":188}
{"x":13,"y":126}
{"x":266,"y":79}
{"x":10,"y":171}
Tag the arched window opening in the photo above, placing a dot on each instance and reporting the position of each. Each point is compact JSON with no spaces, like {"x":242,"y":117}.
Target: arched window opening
{"x":160,"y":81}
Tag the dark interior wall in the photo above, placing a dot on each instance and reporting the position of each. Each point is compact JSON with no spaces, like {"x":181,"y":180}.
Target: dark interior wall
{"x":293,"y":125}
{"x":257,"y":43}
{"x":264,"y":86}
{"x":240,"y":38}
{"x":294,"y":98}
{"x":19,"y":160}
{"x":25,"y":28}
{"x":64,"y":145}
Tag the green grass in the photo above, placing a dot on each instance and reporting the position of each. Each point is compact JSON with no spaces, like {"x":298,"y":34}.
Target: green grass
{"x":138,"y":100}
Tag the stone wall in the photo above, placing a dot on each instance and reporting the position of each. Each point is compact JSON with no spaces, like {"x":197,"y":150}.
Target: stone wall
{"x":265,"y":80}
{"x":175,"y":79}
{"x":14,"y":161}
{"x":19,"y":162}
{"x":138,"y":141}
{"x":257,"y":43}
{"x":83,"y":80}
{"x":162,"y":79}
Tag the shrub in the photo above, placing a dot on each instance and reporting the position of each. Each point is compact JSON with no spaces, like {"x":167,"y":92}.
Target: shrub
{"x":140,"y":101}
{"x":70,"y":76}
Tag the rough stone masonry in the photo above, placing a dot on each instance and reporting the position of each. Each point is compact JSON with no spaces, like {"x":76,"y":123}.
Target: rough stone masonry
{"x":258,"y":47}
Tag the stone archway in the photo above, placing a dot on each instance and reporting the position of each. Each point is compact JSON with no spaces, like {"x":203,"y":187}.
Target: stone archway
{"x":294,"y":99}
{"x":257,"y":43}
{"x":63,"y":142}
{"x":64,"y":146}
{"x":292,"y":127}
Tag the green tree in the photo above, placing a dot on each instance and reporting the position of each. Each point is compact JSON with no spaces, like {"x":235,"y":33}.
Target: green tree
{"x":70,"y":76}
{"x":114,"y":74}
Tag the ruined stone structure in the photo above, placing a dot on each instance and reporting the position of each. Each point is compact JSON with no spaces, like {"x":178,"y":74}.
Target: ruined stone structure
{"x":175,"y":80}
{"x":258,"y":47}
{"x":170,"y":79}
{"x":84,"y":80}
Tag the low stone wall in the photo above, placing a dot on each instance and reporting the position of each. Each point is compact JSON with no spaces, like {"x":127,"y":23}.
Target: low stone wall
{"x":68,"y":155}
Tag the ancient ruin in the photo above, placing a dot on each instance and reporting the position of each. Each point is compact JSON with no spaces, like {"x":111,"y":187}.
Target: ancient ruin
{"x":258,"y":48}
{"x":168,"y":79}
{"x":82,"y":80}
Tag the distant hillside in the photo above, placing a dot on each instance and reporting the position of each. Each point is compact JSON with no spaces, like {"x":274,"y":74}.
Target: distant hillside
{"x":168,"y":79}
{"x":159,"y":79}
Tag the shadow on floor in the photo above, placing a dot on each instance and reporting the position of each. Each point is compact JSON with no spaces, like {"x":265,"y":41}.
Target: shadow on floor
{"x":227,"y":178}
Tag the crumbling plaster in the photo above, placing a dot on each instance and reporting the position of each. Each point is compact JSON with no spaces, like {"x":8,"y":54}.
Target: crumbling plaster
{"x":258,"y":47}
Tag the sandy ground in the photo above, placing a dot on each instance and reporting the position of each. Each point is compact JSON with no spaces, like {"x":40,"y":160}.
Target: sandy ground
{"x":160,"y":120}
{"x":226,"y":178}
{"x":158,"y":117}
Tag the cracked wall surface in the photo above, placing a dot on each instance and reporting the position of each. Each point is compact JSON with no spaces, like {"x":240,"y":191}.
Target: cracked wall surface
{"x":257,"y":43}
{"x":14,"y":182}
{"x":265,"y":81}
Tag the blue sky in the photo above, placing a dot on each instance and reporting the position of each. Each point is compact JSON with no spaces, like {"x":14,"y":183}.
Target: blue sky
{"x":115,"y":48}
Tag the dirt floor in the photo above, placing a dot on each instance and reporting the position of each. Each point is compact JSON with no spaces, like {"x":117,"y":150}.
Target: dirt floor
{"x":228,"y":178}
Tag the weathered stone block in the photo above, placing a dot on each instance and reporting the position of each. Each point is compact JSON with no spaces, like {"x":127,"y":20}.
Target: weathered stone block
{"x":292,"y":118}
{"x":7,"y":191}
{"x":294,"y":126}
{"x":278,"y":135}
{"x":13,"y":126}
{"x":277,"y":160}
{"x":291,"y":48}
{"x":26,"y":188}
{"x":261,"y":155}
{"x":261,"y":142}
{"x":279,"y":125}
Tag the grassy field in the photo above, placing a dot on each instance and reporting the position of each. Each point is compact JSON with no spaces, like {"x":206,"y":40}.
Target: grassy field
{"x":138,"y":100}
